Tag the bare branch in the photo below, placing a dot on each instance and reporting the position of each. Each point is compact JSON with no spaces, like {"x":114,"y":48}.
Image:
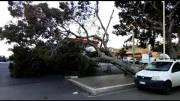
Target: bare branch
{"x":82,"y":26}
{"x":155,"y":22}
{"x":107,"y":29}
{"x":176,"y":5}
{"x":69,"y":31}
{"x":173,"y":11}
{"x":104,"y":42}
{"x":156,"y":28}
{"x":153,"y":4}
{"x":97,"y":14}
{"x":144,"y":7}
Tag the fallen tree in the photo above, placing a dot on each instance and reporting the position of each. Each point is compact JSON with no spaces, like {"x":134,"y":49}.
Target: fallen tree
{"x":51,"y":26}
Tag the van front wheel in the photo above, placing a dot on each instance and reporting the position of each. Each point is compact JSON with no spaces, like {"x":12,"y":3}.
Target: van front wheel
{"x":167,"y":87}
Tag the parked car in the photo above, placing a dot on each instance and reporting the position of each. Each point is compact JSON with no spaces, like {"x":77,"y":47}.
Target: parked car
{"x":3,"y":59}
{"x":161,"y":74}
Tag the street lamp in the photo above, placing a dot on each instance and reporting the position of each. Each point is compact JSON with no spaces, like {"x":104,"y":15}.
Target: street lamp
{"x":133,"y":51}
{"x":133,"y":48}
{"x":164,"y":42}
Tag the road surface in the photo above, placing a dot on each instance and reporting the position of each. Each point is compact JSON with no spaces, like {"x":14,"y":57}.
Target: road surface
{"x":60,"y":89}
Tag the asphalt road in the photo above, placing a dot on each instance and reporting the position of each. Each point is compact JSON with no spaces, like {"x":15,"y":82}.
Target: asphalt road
{"x":61,"y":89}
{"x":135,"y":94}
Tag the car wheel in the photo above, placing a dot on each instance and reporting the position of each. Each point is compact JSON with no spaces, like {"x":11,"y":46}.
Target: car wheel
{"x":139,"y":88}
{"x":167,"y":88}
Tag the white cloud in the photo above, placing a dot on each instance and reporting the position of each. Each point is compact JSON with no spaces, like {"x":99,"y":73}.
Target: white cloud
{"x":4,"y":49}
{"x":105,"y":11}
{"x":4,"y":19}
{"x":5,"y":15}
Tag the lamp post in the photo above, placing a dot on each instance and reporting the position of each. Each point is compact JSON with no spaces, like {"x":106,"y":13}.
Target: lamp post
{"x":164,"y":42}
{"x":133,"y":51}
{"x":133,"y":47}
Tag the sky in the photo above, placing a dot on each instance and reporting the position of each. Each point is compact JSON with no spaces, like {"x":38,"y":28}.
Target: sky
{"x":106,"y":8}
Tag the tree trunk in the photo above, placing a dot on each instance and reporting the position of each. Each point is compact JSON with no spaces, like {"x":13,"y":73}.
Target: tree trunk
{"x":172,"y":51}
{"x":127,"y":68}
{"x":178,"y":45}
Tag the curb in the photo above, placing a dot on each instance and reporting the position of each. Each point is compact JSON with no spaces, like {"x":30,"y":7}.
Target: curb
{"x":96,"y":91}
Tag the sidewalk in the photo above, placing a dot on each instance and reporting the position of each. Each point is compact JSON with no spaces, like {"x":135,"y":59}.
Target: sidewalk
{"x":101,"y":84}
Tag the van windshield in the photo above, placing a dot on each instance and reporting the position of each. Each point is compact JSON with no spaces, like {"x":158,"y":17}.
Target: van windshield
{"x":159,"y":66}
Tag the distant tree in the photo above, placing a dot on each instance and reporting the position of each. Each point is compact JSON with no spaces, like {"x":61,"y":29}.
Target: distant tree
{"x":121,"y":53}
{"x":145,"y":19}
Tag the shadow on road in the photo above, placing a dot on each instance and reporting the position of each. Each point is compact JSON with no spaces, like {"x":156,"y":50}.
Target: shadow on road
{"x":6,"y":80}
{"x":154,"y":91}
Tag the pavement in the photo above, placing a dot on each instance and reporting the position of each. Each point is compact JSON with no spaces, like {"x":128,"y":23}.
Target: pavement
{"x":42,"y":88}
{"x":108,"y":68}
{"x":135,"y":94}
{"x":102,"y":84}
{"x":6,"y":80}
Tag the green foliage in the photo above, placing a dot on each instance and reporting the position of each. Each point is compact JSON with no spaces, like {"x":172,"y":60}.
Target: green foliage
{"x":144,"y":18}
{"x":25,"y":64}
{"x":76,"y":64}
{"x":36,"y":62}
{"x":92,"y":54}
{"x":71,"y":47}
{"x":37,"y":22}
{"x":70,"y":60}
{"x":121,"y":53}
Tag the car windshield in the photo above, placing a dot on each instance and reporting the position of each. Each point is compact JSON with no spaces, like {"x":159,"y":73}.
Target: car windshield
{"x":159,"y":66}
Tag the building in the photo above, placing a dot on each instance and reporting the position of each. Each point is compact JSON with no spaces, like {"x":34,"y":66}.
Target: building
{"x":140,"y":52}
{"x":84,"y":41}
{"x":114,"y":50}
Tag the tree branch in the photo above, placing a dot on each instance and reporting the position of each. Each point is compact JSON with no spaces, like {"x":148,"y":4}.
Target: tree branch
{"x":155,"y":22}
{"x":97,"y":14}
{"x":153,"y":4}
{"x":107,"y":29}
{"x":82,"y":26}
{"x":69,"y":31}
{"x":173,"y":11}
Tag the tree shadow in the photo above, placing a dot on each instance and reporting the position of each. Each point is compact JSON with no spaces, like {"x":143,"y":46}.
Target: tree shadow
{"x":159,"y":92}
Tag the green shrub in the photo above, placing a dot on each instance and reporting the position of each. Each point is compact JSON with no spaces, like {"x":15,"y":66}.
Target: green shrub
{"x":92,"y":54}
{"x":75,"y":64}
{"x":37,"y":62}
{"x":87,"y":67}
{"x":25,"y":64}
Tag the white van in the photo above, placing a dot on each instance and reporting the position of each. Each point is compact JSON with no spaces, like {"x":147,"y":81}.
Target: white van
{"x":161,"y":74}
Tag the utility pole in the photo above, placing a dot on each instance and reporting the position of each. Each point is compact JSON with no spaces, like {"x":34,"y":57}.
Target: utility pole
{"x":133,"y":47}
{"x":164,"y":41}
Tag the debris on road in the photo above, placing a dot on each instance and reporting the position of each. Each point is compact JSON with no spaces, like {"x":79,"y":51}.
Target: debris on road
{"x":75,"y":93}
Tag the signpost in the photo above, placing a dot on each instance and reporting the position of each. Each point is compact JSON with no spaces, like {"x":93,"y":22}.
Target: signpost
{"x":149,"y":57}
